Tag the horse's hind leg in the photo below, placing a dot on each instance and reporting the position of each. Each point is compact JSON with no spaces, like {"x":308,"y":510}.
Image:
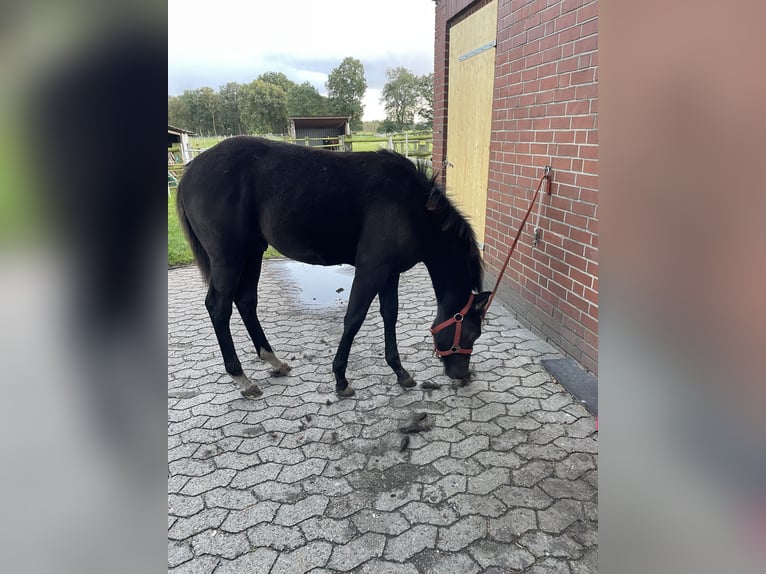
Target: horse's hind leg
{"x":223,"y":284}
{"x":389,"y":310}
{"x":246,"y":299}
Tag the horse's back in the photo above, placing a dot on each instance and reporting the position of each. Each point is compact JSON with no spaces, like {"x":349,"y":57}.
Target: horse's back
{"x":311,"y":205}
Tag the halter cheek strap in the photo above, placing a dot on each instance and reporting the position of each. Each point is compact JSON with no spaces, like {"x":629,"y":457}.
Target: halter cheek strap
{"x":456,"y":319}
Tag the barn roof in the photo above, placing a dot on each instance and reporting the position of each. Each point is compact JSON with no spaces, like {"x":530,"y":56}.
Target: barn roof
{"x":320,"y":121}
{"x":175,"y":130}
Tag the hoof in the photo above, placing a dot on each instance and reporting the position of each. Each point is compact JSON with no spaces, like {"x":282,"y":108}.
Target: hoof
{"x":281,"y":370}
{"x":279,"y":367}
{"x":407,"y":382}
{"x":252,"y":391}
{"x":347,"y":392}
{"x":460,"y":383}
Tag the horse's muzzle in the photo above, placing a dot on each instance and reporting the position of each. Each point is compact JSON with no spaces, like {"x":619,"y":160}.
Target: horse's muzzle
{"x":457,"y":366}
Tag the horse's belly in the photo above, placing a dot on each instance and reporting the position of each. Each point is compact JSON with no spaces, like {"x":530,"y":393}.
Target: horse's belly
{"x":315,"y":252}
{"x":317,"y":237}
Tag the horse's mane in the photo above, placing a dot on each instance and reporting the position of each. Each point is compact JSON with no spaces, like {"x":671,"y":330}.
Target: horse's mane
{"x":448,"y":217}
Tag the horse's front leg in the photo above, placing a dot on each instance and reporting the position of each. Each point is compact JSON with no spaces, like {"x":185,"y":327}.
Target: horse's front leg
{"x":363,"y":290}
{"x":389,"y":310}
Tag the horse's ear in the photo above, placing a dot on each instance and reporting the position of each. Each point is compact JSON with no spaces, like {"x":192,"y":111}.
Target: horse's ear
{"x":480,"y":302}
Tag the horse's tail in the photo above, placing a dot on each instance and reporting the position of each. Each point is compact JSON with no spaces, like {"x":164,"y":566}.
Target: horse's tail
{"x":200,"y":255}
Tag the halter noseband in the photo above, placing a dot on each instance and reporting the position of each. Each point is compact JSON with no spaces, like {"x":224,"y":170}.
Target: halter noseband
{"x":457,"y":319}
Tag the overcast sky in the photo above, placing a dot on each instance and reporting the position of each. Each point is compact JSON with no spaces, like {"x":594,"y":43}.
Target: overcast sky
{"x":211,"y":42}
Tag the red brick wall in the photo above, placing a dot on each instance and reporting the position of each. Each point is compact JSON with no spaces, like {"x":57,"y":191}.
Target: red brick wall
{"x":545,"y":111}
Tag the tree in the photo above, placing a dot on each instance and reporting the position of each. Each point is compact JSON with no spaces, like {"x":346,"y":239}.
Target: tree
{"x":229,"y":116}
{"x":426,"y":104}
{"x":401,"y":97}
{"x":371,"y":127}
{"x":178,"y":113}
{"x":346,"y":87}
{"x":263,"y":107}
{"x":305,"y":100}
{"x":277,"y":79}
{"x":199,"y":119}
{"x":387,"y":126}
{"x":209,"y":99}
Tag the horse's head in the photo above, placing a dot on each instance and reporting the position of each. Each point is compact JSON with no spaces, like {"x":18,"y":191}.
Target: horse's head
{"x":454,"y":337}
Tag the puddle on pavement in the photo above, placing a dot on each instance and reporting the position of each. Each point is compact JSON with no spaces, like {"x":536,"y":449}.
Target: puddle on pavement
{"x":319,"y":285}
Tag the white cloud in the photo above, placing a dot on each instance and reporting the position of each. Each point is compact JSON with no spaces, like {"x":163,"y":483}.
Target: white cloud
{"x":373,"y":109}
{"x":314,"y":78}
{"x":211,"y":43}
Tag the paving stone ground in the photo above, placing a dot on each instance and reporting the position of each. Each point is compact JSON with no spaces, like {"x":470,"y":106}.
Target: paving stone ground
{"x":298,"y":481}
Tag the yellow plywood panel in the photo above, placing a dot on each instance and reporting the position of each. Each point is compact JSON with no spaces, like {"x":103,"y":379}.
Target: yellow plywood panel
{"x":469,"y":112}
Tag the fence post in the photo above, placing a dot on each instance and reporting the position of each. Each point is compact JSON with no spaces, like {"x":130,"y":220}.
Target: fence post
{"x":406,"y":145}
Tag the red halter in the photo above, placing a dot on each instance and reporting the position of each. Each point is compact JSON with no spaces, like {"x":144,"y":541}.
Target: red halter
{"x":457,"y":319}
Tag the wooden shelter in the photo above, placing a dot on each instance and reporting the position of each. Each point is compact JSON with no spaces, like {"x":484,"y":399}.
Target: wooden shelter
{"x":328,"y":132}
{"x":180,"y":137}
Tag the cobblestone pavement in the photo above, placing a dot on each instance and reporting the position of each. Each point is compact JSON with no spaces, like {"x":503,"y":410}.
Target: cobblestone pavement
{"x":298,"y":481}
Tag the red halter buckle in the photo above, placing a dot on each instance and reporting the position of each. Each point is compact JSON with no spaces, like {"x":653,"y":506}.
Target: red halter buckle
{"x":457,"y":319}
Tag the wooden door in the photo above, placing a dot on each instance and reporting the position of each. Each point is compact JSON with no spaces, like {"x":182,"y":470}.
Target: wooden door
{"x":469,"y":112}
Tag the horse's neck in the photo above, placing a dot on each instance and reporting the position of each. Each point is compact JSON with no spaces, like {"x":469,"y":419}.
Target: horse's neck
{"x":451,"y":286}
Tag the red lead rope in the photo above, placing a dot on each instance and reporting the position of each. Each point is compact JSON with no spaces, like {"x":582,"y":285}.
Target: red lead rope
{"x":545,"y":176}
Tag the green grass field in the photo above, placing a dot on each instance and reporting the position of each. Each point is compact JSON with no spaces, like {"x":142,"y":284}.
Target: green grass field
{"x":202,"y":143}
{"x":367,"y":142}
{"x":178,"y":250}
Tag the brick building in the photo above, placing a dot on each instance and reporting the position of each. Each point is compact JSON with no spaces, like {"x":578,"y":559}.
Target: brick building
{"x":516,"y":90}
